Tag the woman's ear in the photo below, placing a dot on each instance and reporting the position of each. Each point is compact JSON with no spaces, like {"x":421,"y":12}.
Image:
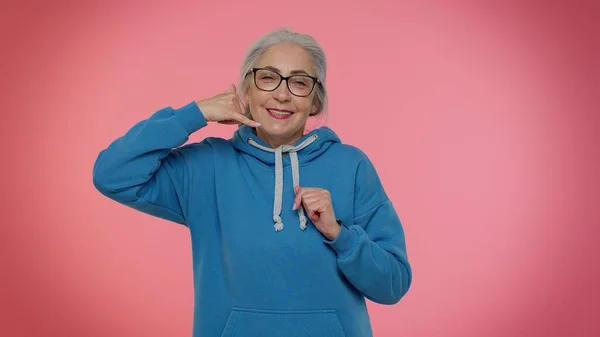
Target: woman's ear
{"x":315,"y":109}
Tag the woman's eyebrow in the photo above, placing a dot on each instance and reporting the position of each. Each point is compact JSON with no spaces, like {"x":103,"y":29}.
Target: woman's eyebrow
{"x":293,"y":72}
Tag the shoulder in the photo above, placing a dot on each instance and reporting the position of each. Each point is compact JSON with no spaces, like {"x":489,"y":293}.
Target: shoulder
{"x":355,"y":158}
{"x":203,"y":148}
{"x":350,"y":154}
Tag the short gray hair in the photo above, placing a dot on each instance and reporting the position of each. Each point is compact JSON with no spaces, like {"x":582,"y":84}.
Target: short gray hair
{"x":287,"y":35}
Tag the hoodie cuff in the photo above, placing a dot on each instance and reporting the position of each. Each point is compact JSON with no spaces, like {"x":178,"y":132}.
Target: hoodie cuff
{"x":345,"y":243}
{"x":190,"y":117}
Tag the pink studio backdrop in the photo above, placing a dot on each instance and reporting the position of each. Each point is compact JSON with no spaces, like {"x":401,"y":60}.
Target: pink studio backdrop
{"x":482,"y":120}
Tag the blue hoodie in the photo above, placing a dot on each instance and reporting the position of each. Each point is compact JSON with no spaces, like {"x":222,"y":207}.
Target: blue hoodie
{"x":260,"y":267}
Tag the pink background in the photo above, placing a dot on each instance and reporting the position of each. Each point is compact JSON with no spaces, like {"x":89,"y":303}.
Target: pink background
{"x":482,"y":120}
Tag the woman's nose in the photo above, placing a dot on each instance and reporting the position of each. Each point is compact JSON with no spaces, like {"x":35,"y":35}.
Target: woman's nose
{"x":282,"y":92}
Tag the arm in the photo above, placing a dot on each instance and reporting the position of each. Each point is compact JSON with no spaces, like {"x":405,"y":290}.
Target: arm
{"x":143,"y":170}
{"x":371,"y":252}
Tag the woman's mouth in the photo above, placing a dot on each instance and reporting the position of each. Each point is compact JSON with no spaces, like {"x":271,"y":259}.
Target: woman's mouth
{"x":279,"y":114}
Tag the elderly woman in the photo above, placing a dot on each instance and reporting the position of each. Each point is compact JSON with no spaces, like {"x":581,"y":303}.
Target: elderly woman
{"x":291,"y":231}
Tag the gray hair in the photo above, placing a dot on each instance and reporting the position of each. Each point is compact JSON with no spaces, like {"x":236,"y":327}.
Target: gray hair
{"x":287,"y":35}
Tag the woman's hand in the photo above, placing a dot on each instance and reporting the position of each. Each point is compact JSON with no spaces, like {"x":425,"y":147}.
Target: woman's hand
{"x":225,"y":108}
{"x":318,"y":206}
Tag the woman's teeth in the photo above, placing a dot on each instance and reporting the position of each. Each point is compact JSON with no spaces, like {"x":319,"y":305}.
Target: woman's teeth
{"x":279,"y":113}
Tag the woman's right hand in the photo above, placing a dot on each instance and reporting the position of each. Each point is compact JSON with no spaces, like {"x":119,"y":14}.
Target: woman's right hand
{"x":225,"y":108}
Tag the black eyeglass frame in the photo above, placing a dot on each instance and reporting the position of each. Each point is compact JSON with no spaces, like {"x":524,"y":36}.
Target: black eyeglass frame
{"x":284,"y":78}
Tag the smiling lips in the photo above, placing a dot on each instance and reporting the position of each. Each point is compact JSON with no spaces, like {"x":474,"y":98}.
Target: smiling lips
{"x":280,"y":114}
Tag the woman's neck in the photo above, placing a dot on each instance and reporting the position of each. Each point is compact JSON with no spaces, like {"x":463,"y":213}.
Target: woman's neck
{"x":276,"y":142}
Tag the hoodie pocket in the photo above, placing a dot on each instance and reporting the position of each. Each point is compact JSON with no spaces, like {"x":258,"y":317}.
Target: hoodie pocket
{"x":244,"y":322}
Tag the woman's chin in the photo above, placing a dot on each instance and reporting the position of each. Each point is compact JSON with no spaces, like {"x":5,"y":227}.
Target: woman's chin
{"x":277,"y":132}
{"x":274,"y":130}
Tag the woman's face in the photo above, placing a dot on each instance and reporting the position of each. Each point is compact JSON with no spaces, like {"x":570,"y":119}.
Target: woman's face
{"x":282,"y":115}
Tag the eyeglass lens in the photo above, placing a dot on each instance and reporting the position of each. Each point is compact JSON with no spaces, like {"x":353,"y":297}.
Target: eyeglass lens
{"x":268,"y":80}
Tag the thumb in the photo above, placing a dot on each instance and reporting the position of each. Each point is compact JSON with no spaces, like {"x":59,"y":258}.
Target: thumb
{"x":231,"y":89}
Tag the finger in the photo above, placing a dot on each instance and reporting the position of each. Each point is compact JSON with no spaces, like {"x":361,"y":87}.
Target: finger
{"x":235,"y":102}
{"x":298,"y":199}
{"x":240,"y":105}
{"x":300,"y":194}
{"x":317,"y":209}
{"x":298,"y":189}
{"x":245,"y":120}
{"x":229,"y":122}
{"x":318,"y":205}
{"x":313,"y":216}
{"x":311,"y":197}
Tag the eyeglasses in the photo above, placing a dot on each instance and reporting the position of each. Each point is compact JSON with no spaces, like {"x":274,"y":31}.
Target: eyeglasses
{"x":269,"y":80}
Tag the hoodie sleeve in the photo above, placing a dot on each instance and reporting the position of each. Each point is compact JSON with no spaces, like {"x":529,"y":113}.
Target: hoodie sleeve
{"x":146,"y":168}
{"x":371,"y":252}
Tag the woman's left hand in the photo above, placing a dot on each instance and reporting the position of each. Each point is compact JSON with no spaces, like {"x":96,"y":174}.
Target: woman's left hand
{"x":318,"y":206}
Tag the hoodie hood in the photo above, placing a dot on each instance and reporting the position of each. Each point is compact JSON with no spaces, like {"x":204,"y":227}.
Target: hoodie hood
{"x":325,"y":137}
{"x":304,"y":150}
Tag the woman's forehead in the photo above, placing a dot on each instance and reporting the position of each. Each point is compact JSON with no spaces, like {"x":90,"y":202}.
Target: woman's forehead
{"x":286,"y":59}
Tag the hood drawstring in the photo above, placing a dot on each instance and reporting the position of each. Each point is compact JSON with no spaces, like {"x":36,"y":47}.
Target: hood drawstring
{"x":279,"y":177}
